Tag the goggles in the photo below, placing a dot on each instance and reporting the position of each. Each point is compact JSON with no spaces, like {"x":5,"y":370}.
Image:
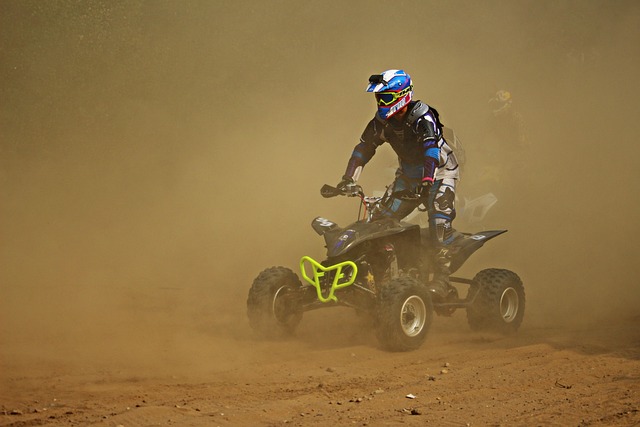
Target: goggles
{"x":388,"y":98}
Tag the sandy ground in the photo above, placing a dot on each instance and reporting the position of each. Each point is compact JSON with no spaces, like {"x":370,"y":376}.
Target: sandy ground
{"x":155,"y":156}
{"x":331,"y":373}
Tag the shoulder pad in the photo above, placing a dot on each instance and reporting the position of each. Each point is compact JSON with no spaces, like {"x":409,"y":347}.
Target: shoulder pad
{"x":419,"y":110}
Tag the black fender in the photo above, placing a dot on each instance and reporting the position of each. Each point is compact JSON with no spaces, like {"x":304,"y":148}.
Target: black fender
{"x":465,"y":244}
{"x":340,"y":240}
{"x":322,"y":225}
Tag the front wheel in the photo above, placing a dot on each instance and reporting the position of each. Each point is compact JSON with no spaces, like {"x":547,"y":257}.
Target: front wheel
{"x":499,"y":301}
{"x":273,"y":305}
{"x":404,"y":314}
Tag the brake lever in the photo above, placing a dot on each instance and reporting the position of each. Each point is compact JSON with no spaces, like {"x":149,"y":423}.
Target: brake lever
{"x":354,"y":190}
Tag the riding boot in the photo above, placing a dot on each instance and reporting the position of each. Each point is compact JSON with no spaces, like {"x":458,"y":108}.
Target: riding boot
{"x":440,"y":287}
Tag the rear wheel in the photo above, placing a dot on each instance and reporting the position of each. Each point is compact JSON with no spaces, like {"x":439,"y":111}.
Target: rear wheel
{"x":273,"y":305}
{"x":499,"y":302}
{"x":403,"y":315}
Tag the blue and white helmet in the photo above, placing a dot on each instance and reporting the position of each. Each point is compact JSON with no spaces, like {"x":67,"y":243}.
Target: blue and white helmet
{"x":393,"y":90}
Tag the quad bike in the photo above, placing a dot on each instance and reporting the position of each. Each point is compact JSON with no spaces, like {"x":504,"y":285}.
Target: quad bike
{"x":381,"y":267}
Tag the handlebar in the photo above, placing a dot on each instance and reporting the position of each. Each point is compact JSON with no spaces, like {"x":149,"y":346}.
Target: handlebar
{"x":372,"y":205}
{"x":354,"y":190}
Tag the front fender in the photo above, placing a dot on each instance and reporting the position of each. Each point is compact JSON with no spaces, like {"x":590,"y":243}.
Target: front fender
{"x":322,"y":225}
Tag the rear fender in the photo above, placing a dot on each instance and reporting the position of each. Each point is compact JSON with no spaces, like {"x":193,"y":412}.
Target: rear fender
{"x":463,"y":247}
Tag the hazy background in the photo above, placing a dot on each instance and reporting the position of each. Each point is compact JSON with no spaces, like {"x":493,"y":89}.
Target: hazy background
{"x":156,"y":155}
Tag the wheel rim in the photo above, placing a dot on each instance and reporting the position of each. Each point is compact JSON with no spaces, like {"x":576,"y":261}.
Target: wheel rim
{"x":279,"y":304}
{"x":413,"y":316}
{"x":509,"y":303}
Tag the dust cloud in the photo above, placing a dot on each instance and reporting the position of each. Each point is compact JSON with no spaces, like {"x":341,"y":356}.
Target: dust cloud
{"x":155,"y":156}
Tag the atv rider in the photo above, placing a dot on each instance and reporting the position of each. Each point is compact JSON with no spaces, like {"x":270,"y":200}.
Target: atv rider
{"x":427,"y":165}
